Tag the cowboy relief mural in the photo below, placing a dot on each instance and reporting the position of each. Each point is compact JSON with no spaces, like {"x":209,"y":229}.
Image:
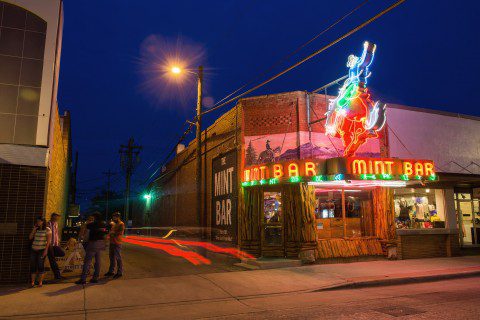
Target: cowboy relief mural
{"x":300,"y":145}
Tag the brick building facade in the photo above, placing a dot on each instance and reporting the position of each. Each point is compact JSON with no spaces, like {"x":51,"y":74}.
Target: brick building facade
{"x":289,"y":126}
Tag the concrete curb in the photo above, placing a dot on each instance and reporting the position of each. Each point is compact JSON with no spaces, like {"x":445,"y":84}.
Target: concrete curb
{"x":384,"y":281}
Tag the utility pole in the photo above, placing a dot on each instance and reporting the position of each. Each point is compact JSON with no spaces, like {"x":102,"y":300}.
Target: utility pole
{"x":199,"y":148}
{"x":128,"y":160}
{"x":109,"y":173}
{"x":74,"y":182}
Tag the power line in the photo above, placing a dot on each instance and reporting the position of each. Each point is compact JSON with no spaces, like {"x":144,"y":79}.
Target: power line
{"x":155,"y":161}
{"x":128,"y":160}
{"x":286,"y":57}
{"x":349,"y":33}
{"x":334,"y":82}
{"x":109,"y":174}
{"x":191,"y":124}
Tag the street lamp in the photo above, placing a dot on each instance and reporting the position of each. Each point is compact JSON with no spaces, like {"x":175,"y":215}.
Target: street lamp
{"x":148,"y":204}
{"x":176,"y":70}
{"x":147,"y":196}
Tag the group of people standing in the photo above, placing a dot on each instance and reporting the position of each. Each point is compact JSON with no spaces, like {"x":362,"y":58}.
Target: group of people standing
{"x":93,"y":234}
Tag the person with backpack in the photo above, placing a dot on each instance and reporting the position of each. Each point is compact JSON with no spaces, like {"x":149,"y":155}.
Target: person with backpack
{"x":97,"y":231}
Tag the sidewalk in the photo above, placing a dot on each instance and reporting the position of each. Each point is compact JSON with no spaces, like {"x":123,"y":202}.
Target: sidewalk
{"x":202,"y":293}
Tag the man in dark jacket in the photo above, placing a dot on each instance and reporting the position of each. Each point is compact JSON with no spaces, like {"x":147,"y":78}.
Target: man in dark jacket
{"x":96,"y":244}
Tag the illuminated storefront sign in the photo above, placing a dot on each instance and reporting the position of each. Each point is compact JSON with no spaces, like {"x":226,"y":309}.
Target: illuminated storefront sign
{"x":340,"y":169}
{"x":224,"y":197}
{"x":353,"y":116}
{"x":390,"y":167}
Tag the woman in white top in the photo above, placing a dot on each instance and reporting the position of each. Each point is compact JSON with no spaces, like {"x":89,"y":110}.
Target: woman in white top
{"x":41,"y":236}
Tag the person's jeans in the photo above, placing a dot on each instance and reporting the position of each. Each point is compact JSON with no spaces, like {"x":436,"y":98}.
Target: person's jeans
{"x":37,"y":261}
{"x":115,"y":258}
{"x":53,"y":262}
{"x":94,"y":250}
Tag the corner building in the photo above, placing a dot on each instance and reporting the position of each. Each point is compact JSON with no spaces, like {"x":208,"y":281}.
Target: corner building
{"x":412,"y":192}
{"x":35,"y":142}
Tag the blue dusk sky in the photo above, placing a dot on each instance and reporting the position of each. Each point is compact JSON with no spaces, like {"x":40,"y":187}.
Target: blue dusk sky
{"x":111,"y":66}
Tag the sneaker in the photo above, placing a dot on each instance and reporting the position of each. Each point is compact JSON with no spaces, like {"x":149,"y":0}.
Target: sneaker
{"x":80,"y":281}
{"x":94,"y":280}
{"x":117,"y":275}
{"x":109,"y":274}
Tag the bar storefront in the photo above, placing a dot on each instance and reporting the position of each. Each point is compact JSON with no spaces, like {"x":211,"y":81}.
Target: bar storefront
{"x":312,"y":176}
{"x":335,"y":208}
{"x":323,"y":188}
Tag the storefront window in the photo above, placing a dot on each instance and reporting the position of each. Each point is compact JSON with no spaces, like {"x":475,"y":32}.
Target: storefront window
{"x":359,"y":213}
{"x":419,"y":208}
{"x":329,"y":213}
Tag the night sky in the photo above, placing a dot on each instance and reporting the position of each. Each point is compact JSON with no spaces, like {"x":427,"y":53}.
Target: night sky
{"x":427,"y":56}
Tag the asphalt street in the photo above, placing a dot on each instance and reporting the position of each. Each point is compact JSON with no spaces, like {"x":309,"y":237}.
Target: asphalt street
{"x":452,"y":299}
{"x":145,"y":262}
{"x":140,"y":262}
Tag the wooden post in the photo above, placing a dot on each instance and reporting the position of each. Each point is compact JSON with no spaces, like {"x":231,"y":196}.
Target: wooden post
{"x":344,"y":215}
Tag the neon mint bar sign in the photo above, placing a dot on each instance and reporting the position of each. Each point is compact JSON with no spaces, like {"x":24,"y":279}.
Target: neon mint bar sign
{"x":339,"y":169}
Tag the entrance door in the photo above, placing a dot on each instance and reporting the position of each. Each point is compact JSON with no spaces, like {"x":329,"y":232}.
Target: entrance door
{"x":476,"y":220}
{"x":272,"y":223}
{"x":468,"y":219}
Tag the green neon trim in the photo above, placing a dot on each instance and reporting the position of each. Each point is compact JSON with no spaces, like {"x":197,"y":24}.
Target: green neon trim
{"x":245,"y":184}
{"x":338,"y":177}
{"x":263,"y":181}
{"x":350,"y":94}
{"x":335,"y":177}
{"x":417,"y":177}
{"x":273,"y":181}
{"x":253,"y":182}
{"x":385,"y":176}
{"x":404,"y":177}
{"x":368,"y":177}
{"x":432,"y":177}
{"x":295,"y":179}
{"x":318,"y":178}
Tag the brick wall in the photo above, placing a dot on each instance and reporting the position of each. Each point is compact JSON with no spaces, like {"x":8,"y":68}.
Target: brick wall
{"x":427,"y":246}
{"x":58,"y":173}
{"x":22,"y":193}
{"x":283,"y":113}
{"x":174,"y":202}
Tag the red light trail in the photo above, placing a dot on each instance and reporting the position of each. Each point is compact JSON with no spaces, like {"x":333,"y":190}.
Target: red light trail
{"x":167,"y":245}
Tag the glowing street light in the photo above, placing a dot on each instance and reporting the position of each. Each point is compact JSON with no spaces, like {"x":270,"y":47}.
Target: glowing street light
{"x":176,"y":70}
{"x":198,"y":122}
{"x":147,"y":196}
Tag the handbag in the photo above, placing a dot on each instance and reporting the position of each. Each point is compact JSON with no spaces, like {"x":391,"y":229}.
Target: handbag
{"x":58,"y":251}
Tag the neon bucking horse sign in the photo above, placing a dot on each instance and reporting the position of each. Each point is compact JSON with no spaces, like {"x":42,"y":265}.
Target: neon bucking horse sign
{"x":352,"y":115}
